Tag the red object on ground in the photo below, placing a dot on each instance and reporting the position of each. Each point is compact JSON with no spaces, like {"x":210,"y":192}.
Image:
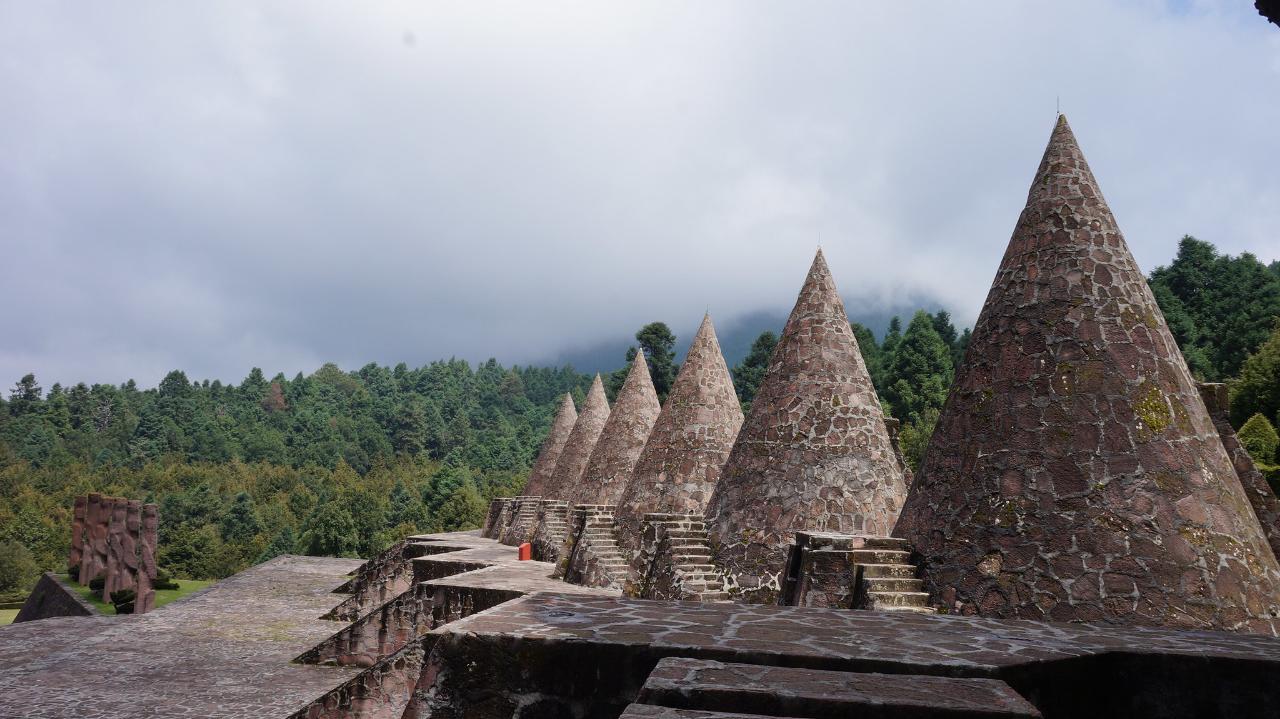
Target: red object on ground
{"x":526,"y":552}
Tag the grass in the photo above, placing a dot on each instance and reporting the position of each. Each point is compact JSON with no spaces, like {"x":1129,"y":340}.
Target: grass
{"x":7,"y":615}
{"x":163,"y":596}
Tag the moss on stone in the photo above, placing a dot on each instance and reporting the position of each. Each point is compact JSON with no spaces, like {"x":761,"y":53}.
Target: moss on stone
{"x":1151,"y":409}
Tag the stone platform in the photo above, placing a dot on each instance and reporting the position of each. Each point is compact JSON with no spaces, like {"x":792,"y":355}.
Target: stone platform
{"x":221,"y":652}
{"x":558,"y":656}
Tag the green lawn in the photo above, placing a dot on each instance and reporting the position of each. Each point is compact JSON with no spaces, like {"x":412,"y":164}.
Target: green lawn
{"x":7,"y":615}
{"x":163,"y":596}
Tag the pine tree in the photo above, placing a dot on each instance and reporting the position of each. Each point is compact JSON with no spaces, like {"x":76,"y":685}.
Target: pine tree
{"x":240,"y":523}
{"x":658,"y":343}
{"x":748,"y":373}
{"x":871,"y":355}
{"x":921,"y":371}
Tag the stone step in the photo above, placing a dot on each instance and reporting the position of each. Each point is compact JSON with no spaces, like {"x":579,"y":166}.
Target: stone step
{"x":711,"y":686}
{"x":901,"y":571}
{"x":908,"y":610}
{"x":652,"y":711}
{"x":892,"y":543}
{"x":881,"y":600}
{"x":880,"y":556}
{"x":892,"y":584}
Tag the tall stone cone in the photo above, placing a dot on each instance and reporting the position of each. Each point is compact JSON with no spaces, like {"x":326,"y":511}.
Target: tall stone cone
{"x":681,"y":462}
{"x":545,"y":465}
{"x":635,"y":410}
{"x":813,"y":455}
{"x":1075,"y":474}
{"x":577,"y":450}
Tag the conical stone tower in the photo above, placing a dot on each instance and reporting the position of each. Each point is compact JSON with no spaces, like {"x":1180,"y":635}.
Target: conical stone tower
{"x":814,"y":454}
{"x":1074,"y":474}
{"x":635,"y":410}
{"x":545,"y":465}
{"x":582,"y":440}
{"x":690,"y":442}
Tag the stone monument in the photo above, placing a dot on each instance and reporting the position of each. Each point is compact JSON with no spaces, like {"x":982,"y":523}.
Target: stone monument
{"x":635,"y":410}
{"x":77,"y":532}
{"x":690,"y":441}
{"x":147,"y":569}
{"x":814,"y":455}
{"x":553,"y":508}
{"x":1075,"y":474}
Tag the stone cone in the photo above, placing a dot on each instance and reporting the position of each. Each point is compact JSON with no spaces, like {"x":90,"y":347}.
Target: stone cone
{"x":635,"y":410}
{"x":545,"y":465}
{"x":814,"y":454}
{"x":1075,"y":474}
{"x":690,"y":442}
{"x":582,"y":440}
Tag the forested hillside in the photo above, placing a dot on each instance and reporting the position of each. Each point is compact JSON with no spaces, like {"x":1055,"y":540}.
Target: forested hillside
{"x":343,"y":463}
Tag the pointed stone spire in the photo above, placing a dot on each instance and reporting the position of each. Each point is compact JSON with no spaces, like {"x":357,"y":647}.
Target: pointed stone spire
{"x":1075,"y":474}
{"x":814,"y":454}
{"x":690,"y":442}
{"x":635,"y":410}
{"x":545,"y":465}
{"x":577,"y":450}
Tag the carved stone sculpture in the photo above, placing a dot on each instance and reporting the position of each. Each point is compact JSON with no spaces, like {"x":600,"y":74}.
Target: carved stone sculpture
{"x":77,"y":532}
{"x":94,"y":552}
{"x":146,"y":600}
{"x":117,"y":529}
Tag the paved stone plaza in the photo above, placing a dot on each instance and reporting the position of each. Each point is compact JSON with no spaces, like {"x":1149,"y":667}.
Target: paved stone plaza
{"x":222,"y":652}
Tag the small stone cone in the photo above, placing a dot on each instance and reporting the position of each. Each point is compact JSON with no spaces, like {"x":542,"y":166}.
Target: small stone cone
{"x":545,"y":465}
{"x":577,"y":450}
{"x":814,"y":454}
{"x":635,"y":411}
{"x":1075,"y":474}
{"x":690,"y":442}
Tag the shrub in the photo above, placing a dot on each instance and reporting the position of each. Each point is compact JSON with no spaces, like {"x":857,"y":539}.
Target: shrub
{"x":123,"y":600}
{"x":97,"y":583}
{"x":164,"y":581}
{"x":1259,"y":439}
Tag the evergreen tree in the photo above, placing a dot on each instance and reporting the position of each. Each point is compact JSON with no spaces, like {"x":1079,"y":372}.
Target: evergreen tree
{"x":284,"y":543}
{"x":748,"y":373}
{"x":463,"y":509}
{"x":330,"y":532}
{"x":1226,"y":305}
{"x":25,"y":395}
{"x":872,"y":356}
{"x":240,"y":523}
{"x":1258,"y":390}
{"x":658,"y":343}
{"x":921,"y":371}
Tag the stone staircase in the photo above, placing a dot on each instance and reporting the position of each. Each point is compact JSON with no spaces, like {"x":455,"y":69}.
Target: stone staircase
{"x":675,"y":560}
{"x":887,"y":578}
{"x":553,"y":527}
{"x":591,"y":555}
{"x":523,"y":521}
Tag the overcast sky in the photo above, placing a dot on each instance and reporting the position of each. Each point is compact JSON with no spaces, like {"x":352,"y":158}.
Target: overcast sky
{"x":217,"y":186}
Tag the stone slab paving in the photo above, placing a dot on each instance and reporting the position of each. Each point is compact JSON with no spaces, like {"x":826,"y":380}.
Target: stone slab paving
{"x":783,"y":691}
{"x":592,"y":655}
{"x":507,"y":571}
{"x":221,"y":652}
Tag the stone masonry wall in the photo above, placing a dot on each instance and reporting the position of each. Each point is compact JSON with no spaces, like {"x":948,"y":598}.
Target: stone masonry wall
{"x":1075,"y":474}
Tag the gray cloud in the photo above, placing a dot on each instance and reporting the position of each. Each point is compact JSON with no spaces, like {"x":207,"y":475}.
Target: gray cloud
{"x":285,"y":184}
